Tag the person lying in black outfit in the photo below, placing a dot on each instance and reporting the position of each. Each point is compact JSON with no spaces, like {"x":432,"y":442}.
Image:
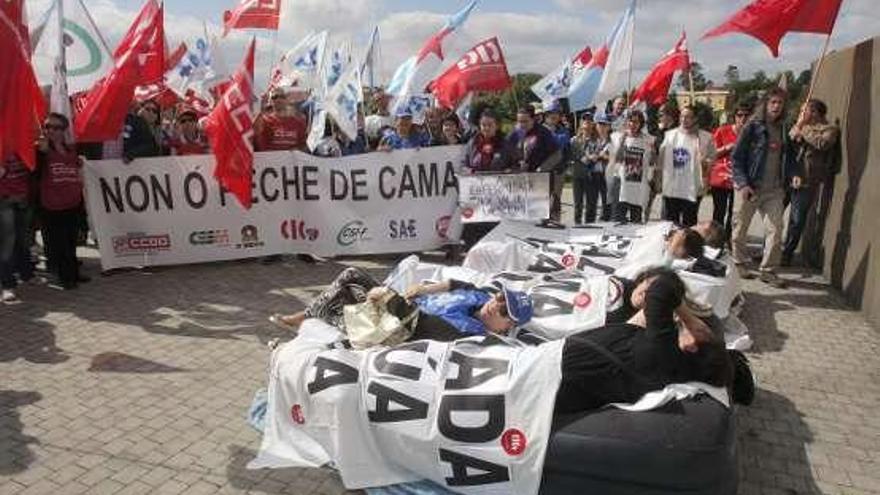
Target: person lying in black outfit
{"x":624,"y":360}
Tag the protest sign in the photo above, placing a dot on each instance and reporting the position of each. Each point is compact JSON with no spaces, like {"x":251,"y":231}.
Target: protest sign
{"x":162,"y":211}
{"x":490,"y":198}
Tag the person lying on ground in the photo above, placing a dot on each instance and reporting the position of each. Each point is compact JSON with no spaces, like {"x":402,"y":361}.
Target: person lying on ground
{"x":447,"y":310}
{"x":622,"y":361}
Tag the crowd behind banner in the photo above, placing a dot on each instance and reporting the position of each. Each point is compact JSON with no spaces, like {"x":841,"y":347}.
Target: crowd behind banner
{"x":617,"y":168}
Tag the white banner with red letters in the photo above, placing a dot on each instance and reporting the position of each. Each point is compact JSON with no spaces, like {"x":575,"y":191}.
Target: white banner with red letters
{"x":472,"y":415}
{"x":171,"y":210}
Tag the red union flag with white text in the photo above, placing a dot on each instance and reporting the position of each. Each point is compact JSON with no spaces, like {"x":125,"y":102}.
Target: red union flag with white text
{"x":230,"y":128}
{"x":482,"y":68}
{"x":262,"y":14}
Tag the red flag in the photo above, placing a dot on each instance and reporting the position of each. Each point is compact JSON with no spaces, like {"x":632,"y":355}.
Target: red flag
{"x":770,"y":20}
{"x":139,"y":60}
{"x":655,"y":87}
{"x":230,"y":128}
{"x":482,"y":68}
{"x":263,"y":14}
{"x":23,"y":106}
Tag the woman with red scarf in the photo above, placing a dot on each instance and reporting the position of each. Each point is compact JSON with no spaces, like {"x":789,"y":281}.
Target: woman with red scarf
{"x":488,"y":150}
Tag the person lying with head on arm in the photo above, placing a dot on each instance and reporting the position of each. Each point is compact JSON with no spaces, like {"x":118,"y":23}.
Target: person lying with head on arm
{"x":661,"y":344}
{"x":447,"y":310}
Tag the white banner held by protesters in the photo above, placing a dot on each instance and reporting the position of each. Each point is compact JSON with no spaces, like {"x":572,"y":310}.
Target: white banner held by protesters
{"x":165,"y":211}
{"x":490,"y":198}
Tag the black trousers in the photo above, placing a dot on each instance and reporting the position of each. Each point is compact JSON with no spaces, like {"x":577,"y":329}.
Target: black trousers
{"x":61,"y":230}
{"x":722,"y":211}
{"x":628,"y":213}
{"x":681,"y":211}
{"x":587,"y":191}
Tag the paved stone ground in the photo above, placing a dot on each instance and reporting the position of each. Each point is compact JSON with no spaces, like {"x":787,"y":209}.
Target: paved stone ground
{"x":139,"y":383}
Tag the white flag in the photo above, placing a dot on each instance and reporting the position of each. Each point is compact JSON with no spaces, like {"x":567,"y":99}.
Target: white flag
{"x":196,"y":71}
{"x":371,"y":61}
{"x":302,"y":64}
{"x":554,"y":85}
{"x":342,"y":102}
{"x":620,"y":52}
{"x":87,"y":56}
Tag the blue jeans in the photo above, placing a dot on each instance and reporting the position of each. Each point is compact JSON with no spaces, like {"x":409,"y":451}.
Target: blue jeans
{"x":15,"y":256}
{"x":801,"y":204}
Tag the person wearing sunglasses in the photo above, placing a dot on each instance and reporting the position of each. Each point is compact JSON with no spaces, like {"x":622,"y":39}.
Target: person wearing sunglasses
{"x":188,"y":138}
{"x":61,"y":199}
{"x":721,"y":175}
{"x":142,"y":136}
{"x":279,"y":128}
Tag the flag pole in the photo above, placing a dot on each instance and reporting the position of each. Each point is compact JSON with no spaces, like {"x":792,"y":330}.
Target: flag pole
{"x":693,"y":95}
{"x":819,"y":65}
{"x":630,"y":72}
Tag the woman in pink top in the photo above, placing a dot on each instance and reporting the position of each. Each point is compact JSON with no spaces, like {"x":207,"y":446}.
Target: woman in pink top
{"x":721,"y":175}
{"x":61,"y":199}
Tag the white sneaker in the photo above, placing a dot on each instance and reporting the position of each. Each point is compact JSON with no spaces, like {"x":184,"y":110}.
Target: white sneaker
{"x":8,"y":297}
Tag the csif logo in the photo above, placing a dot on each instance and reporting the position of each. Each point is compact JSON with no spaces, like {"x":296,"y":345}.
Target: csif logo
{"x":352,"y":232}
{"x":296,"y":230}
{"x":216,"y":237}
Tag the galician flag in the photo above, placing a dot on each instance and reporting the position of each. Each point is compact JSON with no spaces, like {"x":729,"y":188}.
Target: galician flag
{"x":86,"y":55}
{"x":606,"y":74}
{"x":413,"y":76}
{"x":301,"y":66}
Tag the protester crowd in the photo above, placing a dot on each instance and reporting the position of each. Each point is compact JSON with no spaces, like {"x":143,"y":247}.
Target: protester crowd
{"x":755,"y":164}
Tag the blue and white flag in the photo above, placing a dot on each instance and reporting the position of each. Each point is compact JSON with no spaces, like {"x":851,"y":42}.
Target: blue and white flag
{"x":554,"y":85}
{"x":341,"y":102}
{"x":301,"y":65}
{"x":414,"y":74}
{"x":606,"y":74}
{"x":195,"y":71}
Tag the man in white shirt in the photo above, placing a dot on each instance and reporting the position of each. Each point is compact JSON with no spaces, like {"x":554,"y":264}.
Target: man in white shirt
{"x":685,"y":157}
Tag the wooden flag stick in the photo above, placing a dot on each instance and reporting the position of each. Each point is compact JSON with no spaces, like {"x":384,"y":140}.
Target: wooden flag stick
{"x":693,"y":96}
{"x":819,"y":65}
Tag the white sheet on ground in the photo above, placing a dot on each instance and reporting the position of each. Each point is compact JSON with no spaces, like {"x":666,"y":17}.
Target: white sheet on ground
{"x":675,"y":391}
{"x":471,"y":415}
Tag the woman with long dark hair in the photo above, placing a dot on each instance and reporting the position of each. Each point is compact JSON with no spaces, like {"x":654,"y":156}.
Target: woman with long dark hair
{"x":622,"y":361}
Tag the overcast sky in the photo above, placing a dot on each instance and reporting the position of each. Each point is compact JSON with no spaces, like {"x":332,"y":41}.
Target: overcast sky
{"x":535,"y":36}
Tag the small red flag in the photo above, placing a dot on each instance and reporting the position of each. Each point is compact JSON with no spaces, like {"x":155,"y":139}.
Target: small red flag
{"x":770,"y":20}
{"x":230,"y":130}
{"x":262,"y":14}
{"x":655,"y":87}
{"x":482,"y":68}
{"x":139,"y":60}
{"x":23,"y":106}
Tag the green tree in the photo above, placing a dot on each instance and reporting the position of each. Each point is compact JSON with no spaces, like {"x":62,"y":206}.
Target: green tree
{"x":700,"y":80}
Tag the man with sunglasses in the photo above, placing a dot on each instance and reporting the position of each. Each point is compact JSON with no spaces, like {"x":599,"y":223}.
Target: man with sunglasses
{"x":188,"y":139}
{"x":142,"y":136}
{"x":279,"y":128}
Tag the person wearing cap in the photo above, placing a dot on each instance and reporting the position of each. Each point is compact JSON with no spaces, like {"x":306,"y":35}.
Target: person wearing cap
{"x":448,"y":310}
{"x":188,"y":139}
{"x":404,"y":135}
{"x":279,"y":128}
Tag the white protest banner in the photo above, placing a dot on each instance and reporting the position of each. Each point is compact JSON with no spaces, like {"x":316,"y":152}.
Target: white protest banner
{"x":472,"y":415}
{"x":170,"y":210}
{"x":490,"y":198}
